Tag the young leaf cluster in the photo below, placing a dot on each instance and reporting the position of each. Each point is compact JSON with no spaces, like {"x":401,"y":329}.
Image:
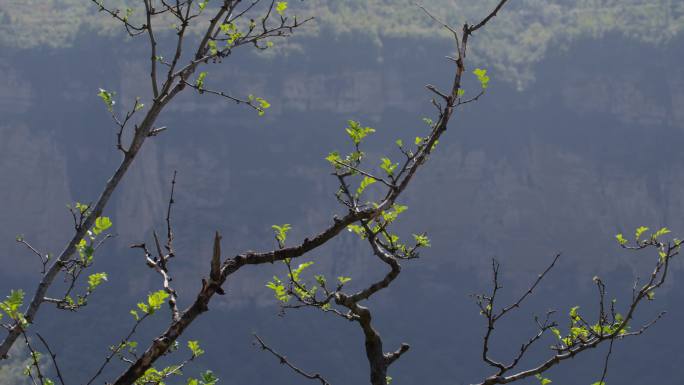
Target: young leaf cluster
{"x":86,"y":248}
{"x":11,"y":306}
{"x":154,"y":302}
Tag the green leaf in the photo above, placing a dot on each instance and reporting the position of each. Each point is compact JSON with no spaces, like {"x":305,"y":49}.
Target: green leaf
{"x":422,"y":240}
{"x":356,"y":132}
{"x":127,"y":15}
{"x":320,"y":279}
{"x":278,"y":289}
{"x":228,"y":28}
{"x":12,"y":304}
{"x":482,"y":77}
{"x":358,"y":230}
{"x":213,"y":49}
{"x":199,"y":82}
{"x":542,"y":380}
{"x":391,"y":215}
{"x":663,"y":255}
{"x":261,"y":104}
{"x":298,"y":271}
{"x":579,"y":332}
{"x":131,"y":346}
{"x":195,"y":348}
{"x":661,"y":232}
{"x":640,"y":231}
{"x":281,"y":232}
{"x":101,"y":224}
{"x":388,"y":166}
{"x":95,"y":280}
{"x":156,"y":300}
{"x":209,"y":378}
{"x":342,"y":280}
{"x":621,"y":239}
{"x":82,"y":208}
{"x":108,"y":98}
{"x":367,"y":181}
{"x":143,"y":307}
{"x":573,"y":312}
{"x":334,"y":158}
{"x":281,"y":6}
{"x":599,"y":383}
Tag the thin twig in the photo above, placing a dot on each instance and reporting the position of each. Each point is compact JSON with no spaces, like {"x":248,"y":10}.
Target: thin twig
{"x":53,"y":356}
{"x":284,"y":361}
{"x":605,"y":363}
{"x":530,"y":290}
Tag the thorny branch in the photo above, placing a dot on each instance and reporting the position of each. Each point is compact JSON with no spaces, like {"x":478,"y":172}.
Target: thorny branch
{"x":487,"y":304}
{"x":370,"y":218}
{"x":175,"y":82}
{"x":373,"y":227}
{"x":53,"y":357}
{"x":284,"y":361}
{"x":118,"y":348}
{"x":34,"y":362}
{"x":159,"y":262}
{"x":43,"y":259}
{"x":610,"y":325}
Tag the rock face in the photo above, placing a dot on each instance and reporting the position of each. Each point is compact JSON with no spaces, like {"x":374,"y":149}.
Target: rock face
{"x":583,"y":153}
{"x":29,"y":158}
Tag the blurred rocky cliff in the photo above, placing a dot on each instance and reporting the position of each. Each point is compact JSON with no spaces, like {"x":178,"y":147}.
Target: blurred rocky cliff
{"x":561,"y":154}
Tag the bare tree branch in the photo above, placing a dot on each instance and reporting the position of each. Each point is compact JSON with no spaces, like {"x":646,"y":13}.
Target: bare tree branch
{"x":53,"y":357}
{"x":284,"y":361}
{"x":175,"y":83}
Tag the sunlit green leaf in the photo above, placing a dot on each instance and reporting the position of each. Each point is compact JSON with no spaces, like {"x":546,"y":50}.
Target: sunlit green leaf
{"x":199,"y":82}
{"x":195,"y":348}
{"x":640,"y":231}
{"x":388,"y":166}
{"x":342,"y":280}
{"x":281,"y":6}
{"x":367,"y":181}
{"x":482,"y":77}
{"x":281,"y":232}
{"x":95,"y":280}
{"x":108,"y":98}
{"x":357,"y":132}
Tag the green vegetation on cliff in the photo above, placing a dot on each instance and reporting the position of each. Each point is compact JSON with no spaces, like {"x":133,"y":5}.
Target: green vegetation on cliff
{"x":511,"y":46}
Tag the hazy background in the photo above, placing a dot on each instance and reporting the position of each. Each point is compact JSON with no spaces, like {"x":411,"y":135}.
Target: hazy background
{"x":578,"y":138}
